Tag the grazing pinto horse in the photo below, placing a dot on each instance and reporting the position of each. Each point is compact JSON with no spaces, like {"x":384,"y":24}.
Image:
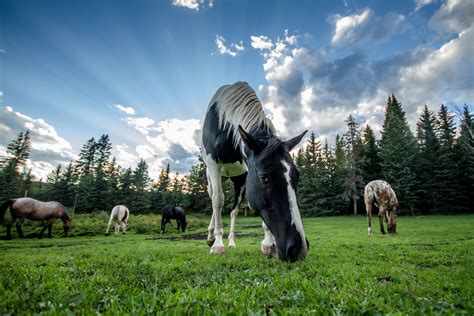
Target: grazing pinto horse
{"x":120,"y":214}
{"x":380,"y":193}
{"x":28,"y":208}
{"x":239,"y":142}
{"x":173,"y":212}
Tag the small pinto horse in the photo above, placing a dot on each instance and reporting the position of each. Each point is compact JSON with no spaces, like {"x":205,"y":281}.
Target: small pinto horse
{"x":28,"y":208}
{"x":238,"y":140}
{"x":379,"y":193}
{"x":173,"y":212}
{"x":119,"y":214}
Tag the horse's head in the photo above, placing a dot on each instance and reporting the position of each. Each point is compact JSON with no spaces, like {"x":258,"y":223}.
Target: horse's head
{"x":67,"y":224}
{"x":271,"y":188}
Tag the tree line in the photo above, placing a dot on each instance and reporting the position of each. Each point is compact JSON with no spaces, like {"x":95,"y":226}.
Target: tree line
{"x":431,"y":171}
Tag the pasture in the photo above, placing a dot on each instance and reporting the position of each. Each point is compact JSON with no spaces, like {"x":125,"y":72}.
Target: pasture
{"x":428,"y":268}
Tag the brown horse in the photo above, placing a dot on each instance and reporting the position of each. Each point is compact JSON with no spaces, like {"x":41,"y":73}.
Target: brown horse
{"x":381,"y":194}
{"x":27,"y":208}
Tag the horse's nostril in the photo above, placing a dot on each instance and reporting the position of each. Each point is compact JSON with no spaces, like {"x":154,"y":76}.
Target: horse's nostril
{"x":292,"y":253}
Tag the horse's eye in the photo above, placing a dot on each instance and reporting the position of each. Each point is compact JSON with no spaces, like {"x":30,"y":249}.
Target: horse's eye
{"x":264,"y":179}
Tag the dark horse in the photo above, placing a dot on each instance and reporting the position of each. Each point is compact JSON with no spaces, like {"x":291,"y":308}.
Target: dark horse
{"x":173,"y":212}
{"x":27,"y":208}
{"x":238,"y":140}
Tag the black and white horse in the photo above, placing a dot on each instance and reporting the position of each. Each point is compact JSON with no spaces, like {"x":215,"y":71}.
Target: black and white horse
{"x":170,"y":212}
{"x":239,"y":141}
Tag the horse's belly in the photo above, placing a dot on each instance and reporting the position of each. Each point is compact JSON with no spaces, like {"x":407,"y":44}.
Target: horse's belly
{"x":233,"y":169}
{"x":36,"y":216}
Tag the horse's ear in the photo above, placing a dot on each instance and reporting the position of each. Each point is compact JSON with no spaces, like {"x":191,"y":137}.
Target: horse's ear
{"x":249,"y":141}
{"x":291,"y":143}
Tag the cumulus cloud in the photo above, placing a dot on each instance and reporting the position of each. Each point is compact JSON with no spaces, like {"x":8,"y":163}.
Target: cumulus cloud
{"x":366,"y":26}
{"x":308,"y":89}
{"x":233,"y":50}
{"x":261,"y":42}
{"x":48,"y":149}
{"x":125,"y":109}
{"x":453,"y":16}
{"x":194,"y":5}
{"x":172,"y":141}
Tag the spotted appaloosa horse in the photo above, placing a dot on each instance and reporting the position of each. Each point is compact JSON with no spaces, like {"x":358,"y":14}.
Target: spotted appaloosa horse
{"x":170,"y":212}
{"x":28,"y":208}
{"x":120,"y":215}
{"x":239,"y":141}
{"x":380,"y":193}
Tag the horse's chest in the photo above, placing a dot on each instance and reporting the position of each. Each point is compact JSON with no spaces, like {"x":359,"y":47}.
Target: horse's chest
{"x":233,"y":169}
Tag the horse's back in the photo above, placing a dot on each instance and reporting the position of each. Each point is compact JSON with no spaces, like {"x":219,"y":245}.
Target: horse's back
{"x":37,"y":210}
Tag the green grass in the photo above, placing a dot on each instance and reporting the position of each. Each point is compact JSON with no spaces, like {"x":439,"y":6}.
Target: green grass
{"x":427,"y":269}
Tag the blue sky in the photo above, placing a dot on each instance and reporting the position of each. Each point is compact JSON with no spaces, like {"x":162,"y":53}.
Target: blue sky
{"x":144,"y":71}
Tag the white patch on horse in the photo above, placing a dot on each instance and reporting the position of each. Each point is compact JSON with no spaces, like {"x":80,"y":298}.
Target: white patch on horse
{"x":268,"y":247}
{"x":294,"y":210}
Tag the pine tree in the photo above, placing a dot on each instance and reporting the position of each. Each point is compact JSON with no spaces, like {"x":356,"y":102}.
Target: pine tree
{"x":464,"y":149}
{"x":398,"y":149}
{"x":85,"y":170}
{"x":140,"y":182}
{"x":18,"y":152}
{"x":112,"y":174}
{"x":448,"y":188}
{"x":427,"y":162}
{"x":370,"y":156}
{"x":354,"y":184}
{"x":341,"y":202}
{"x":98,"y":194}
{"x":197,"y":198}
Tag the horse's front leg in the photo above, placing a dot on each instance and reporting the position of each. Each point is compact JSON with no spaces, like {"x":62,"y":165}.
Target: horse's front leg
{"x":210,"y":228}
{"x":368,"y":207}
{"x":178,"y":224}
{"x":268,"y":247}
{"x":233,"y":215}
{"x":217,"y":204}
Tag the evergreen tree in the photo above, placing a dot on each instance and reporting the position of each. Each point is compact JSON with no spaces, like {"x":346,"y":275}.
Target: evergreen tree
{"x":85,"y":170}
{"x":98,"y":194}
{"x":197,"y":198}
{"x":370,"y":156}
{"x":53,"y":179}
{"x":354,"y":184}
{"x":112,"y":174}
{"x":427,"y":162}
{"x":448,"y":188}
{"x":18,"y":152}
{"x":160,"y":190}
{"x":339,"y":177}
{"x":398,"y":149}
{"x":126,"y":187}
{"x":464,"y":149}
{"x":140,"y":182}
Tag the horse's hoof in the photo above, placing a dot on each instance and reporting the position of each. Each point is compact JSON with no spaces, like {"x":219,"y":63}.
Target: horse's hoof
{"x":210,"y":242}
{"x":217,"y":250}
{"x":231,"y":245}
{"x":268,"y":251}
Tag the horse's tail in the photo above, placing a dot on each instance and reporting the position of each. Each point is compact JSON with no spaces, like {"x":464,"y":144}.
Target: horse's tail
{"x":3,"y":209}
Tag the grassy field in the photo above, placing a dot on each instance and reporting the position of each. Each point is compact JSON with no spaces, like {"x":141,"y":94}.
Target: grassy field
{"x":427,"y":269}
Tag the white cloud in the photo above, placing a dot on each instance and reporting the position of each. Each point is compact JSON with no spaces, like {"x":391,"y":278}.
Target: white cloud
{"x":366,"y":26}
{"x":453,"y":16}
{"x":345,"y":25}
{"x":1,"y":94}
{"x":141,"y":124}
{"x":48,"y":149}
{"x":223,"y":50}
{"x":261,"y":42}
{"x":194,"y":5}
{"x":125,"y":109}
{"x":307,"y":89}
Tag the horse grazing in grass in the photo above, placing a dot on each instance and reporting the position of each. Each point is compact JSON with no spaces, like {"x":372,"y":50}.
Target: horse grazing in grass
{"x":119,"y":214}
{"x":28,"y":208}
{"x":239,"y":141}
{"x":379,"y":193}
{"x":173,"y":212}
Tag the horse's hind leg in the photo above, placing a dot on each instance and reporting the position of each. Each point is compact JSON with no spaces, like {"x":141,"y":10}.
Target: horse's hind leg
{"x":368,"y":207}
{"x":19,"y":230}
{"x":49,"y":225}
{"x":381,"y":218}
